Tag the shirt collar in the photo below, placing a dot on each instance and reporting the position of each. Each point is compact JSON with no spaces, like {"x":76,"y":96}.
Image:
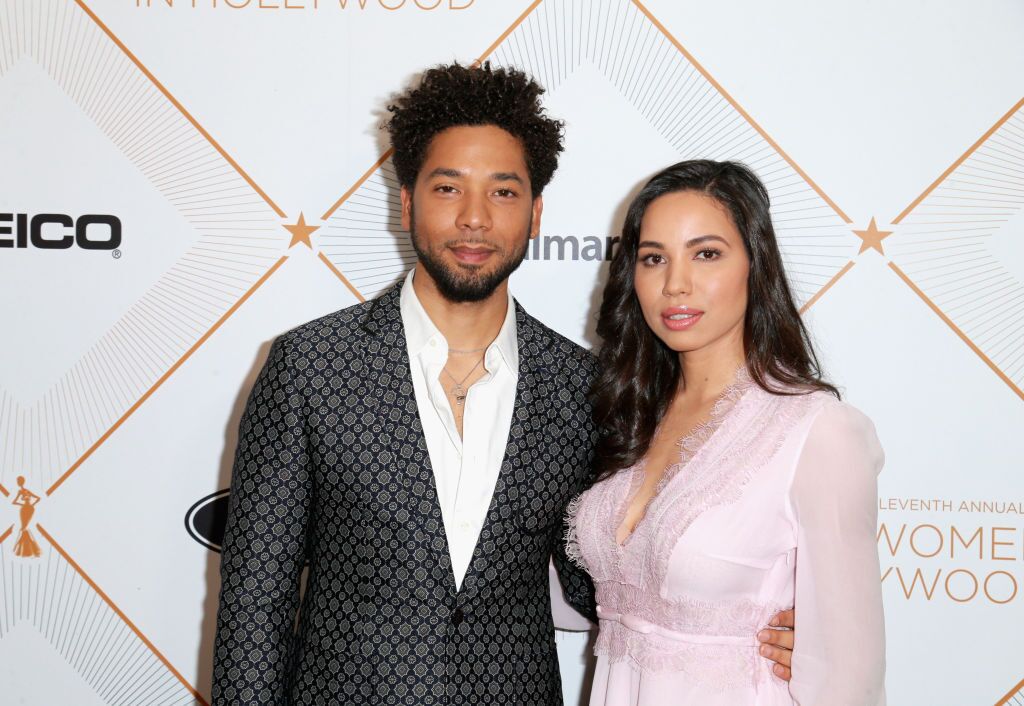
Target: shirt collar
{"x":420,"y":331}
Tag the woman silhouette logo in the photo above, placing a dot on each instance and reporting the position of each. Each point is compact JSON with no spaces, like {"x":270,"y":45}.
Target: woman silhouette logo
{"x":26,"y":545}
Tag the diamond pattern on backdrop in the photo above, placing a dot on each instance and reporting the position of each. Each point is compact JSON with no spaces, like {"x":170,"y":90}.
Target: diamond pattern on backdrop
{"x":668,"y":89}
{"x":234,"y":232}
{"x":56,"y":598}
{"x":960,"y":244}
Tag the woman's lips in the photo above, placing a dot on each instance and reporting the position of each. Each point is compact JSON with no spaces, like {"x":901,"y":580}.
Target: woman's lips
{"x":472,"y":256}
{"x":681,"y":318}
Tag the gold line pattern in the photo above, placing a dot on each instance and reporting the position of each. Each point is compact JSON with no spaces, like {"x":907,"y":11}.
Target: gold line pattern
{"x":170,"y":371}
{"x":742,"y":112}
{"x":362,"y":234}
{"x":941,"y":247}
{"x":835,"y":278}
{"x":237,"y":244}
{"x":948,"y":247}
{"x":981,"y":354}
{"x":181,"y":109}
{"x":235,"y":237}
{"x":364,"y":237}
{"x":366,"y":175}
{"x":960,"y":160}
{"x":1015,"y":697}
{"x":58,"y":599}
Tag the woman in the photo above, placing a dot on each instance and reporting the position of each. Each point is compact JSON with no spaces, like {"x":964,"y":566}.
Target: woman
{"x":730,"y":478}
{"x":26,"y":544}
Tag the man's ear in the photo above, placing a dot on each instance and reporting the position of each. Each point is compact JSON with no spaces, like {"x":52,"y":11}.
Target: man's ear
{"x":406,"y":197}
{"x":538,"y":209}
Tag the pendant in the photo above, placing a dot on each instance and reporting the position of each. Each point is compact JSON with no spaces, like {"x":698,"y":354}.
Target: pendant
{"x":460,"y":395}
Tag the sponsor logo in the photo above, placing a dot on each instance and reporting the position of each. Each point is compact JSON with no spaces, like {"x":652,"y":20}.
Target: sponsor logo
{"x":205,"y":520}
{"x":571,"y":247}
{"x":58,"y":231}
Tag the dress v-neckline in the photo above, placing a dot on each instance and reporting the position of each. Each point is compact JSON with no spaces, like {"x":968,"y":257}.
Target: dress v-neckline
{"x":689,"y":445}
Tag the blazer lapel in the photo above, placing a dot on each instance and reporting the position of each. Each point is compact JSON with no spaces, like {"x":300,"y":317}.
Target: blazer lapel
{"x":409,"y":478}
{"x":529,"y":417}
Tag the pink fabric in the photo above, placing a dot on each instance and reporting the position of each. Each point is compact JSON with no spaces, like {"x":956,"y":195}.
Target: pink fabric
{"x":773,"y":500}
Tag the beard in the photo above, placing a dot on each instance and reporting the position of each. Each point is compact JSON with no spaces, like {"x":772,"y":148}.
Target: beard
{"x":466,"y":283}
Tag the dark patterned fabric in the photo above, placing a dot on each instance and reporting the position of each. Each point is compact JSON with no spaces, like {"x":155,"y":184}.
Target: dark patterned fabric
{"x":332,"y":467}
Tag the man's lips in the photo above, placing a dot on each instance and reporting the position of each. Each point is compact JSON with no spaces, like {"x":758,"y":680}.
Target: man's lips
{"x":471,"y":255}
{"x":680,"y":318}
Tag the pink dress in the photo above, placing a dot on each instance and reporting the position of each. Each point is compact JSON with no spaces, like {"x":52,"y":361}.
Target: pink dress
{"x":772,"y":502}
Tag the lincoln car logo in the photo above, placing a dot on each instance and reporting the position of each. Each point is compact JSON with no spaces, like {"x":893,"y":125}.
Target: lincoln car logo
{"x":206,"y":519}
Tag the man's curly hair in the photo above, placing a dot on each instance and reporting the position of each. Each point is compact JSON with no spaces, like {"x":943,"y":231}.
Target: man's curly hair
{"x":455,"y":95}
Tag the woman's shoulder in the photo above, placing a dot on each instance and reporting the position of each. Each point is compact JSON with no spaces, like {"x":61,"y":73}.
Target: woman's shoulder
{"x":834,"y":414}
{"x":795,"y":402}
{"x":819,"y":412}
{"x":840,"y":430}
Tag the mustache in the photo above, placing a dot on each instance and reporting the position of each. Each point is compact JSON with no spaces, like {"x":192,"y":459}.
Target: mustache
{"x":472,"y":242}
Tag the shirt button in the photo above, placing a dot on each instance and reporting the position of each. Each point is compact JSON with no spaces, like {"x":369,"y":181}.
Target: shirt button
{"x":458,"y":616}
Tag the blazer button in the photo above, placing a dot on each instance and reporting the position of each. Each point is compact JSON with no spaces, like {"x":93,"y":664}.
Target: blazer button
{"x":458,"y":616}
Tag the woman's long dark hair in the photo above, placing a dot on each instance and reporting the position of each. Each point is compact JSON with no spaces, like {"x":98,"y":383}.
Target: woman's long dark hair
{"x":640,"y":374}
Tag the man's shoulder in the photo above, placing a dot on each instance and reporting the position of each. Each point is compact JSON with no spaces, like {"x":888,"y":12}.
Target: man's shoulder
{"x":564,"y":350}
{"x":341,"y":327}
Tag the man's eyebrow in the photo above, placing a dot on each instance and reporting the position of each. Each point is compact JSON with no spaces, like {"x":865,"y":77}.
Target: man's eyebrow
{"x":445,"y":172}
{"x":507,"y":176}
{"x":455,"y":174}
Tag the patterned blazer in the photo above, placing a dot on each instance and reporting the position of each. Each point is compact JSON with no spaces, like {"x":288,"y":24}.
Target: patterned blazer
{"x":332,"y":469}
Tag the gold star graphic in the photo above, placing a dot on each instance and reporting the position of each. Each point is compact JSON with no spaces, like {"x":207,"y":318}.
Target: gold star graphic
{"x":301,"y":232}
{"x":872,"y":237}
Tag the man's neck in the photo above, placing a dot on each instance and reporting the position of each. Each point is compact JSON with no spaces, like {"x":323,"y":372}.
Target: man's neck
{"x":465,"y":325}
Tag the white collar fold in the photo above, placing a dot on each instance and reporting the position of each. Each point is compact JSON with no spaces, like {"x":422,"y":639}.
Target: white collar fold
{"x":422,"y":335}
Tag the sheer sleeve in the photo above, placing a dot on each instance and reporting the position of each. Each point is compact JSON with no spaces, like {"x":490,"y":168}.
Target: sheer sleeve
{"x":839,"y":653}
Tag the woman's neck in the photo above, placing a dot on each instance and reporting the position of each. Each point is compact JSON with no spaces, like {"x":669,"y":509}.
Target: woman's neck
{"x":708,"y":371}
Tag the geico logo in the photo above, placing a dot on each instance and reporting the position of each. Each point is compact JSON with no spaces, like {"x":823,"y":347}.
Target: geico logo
{"x":57,"y":231}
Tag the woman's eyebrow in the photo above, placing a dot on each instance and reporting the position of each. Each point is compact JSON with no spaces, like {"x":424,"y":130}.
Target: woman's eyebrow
{"x":703,"y":239}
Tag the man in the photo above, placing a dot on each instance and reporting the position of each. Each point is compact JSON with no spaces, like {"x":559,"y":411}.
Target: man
{"x":417,"y":450}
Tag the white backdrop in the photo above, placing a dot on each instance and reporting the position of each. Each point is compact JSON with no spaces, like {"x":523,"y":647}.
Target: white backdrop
{"x":207,"y":127}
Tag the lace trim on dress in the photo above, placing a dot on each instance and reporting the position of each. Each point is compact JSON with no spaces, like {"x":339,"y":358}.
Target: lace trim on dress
{"x":690,"y":444}
{"x":632,"y":562}
{"x":712,"y":471}
{"x":726,"y":618}
{"x":716,"y":666}
{"x":721,"y":468}
{"x":571,"y":538}
{"x":588,"y":515}
{"x":589,"y":532}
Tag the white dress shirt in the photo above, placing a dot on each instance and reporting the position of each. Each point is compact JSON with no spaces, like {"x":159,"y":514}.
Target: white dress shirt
{"x":466,"y":468}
